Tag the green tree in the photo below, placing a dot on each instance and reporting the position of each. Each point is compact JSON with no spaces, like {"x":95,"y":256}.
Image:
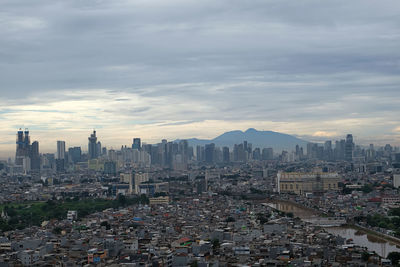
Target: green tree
{"x":230,"y":219}
{"x":121,"y":199}
{"x":365,"y":256}
{"x":367,"y":188}
{"x":394,"y":257}
{"x":215,"y":245}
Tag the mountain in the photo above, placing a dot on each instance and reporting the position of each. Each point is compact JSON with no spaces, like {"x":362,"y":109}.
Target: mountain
{"x":261,"y":139}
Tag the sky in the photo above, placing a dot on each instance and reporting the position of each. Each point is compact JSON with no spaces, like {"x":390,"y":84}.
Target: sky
{"x":186,"y":68}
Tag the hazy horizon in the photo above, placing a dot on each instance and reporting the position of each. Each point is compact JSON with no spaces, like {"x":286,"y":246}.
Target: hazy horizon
{"x":46,"y":147}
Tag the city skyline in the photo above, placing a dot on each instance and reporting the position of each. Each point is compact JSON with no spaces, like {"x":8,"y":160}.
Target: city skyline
{"x":200,"y":133}
{"x":93,"y":149}
{"x":173,"y":70}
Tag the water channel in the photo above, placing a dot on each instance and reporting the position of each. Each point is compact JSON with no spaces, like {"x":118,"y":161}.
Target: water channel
{"x":372,"y":242}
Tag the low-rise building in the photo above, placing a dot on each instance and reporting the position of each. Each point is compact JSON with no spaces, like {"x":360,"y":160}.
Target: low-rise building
{"x":303,"y":183}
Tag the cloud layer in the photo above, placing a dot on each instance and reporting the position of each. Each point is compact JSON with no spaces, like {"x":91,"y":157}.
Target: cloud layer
{"x":198,"y":68}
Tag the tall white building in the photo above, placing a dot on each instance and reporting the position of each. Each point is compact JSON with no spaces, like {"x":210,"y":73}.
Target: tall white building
{"x":60,"y":149}
{"x":396,"y":180}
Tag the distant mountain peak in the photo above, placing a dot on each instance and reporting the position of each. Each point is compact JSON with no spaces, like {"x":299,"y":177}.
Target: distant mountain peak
{"x":251,"y":130}
{"x":261,"y":139}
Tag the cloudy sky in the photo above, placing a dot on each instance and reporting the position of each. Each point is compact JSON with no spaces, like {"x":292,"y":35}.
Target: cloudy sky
{"x":188,"y":68}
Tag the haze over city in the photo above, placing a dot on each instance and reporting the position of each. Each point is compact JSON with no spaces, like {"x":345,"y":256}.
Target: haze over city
{"x":181,"y":69}
{"x":187,"y":133}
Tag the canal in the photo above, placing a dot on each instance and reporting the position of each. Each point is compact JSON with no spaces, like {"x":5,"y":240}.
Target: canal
{"x":374,"y":243}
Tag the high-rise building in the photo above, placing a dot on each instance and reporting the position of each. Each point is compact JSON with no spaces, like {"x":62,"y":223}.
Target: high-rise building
{"x":257,"y":154}
{"x":23,"y":148}
{"x":93,"y":146}
{"x":60,"y":157}
{"x":349,"y":148}
{"x":200,"y":153}
{"x":340,"y":149}
{"x":328,"y":154}
{"x":267,"y":153}
{"x":209,"y":153}
{"x":136,"y":144}
{"x":98,"y":149}
{"x":27,"y":156}
{"x":225,"y":154}
{"x":396,"y":180}
{"x":60,"y":150}
{"x":60,"y":165}
{"x":110,"y":168}
{"x":75,"y":154}
{"x":35,"y":156}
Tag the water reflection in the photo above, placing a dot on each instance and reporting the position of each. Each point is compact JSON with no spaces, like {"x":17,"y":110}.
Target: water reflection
{"x":360,"y":238}
{"x":373,"y":243}
{"x":296,"y":210}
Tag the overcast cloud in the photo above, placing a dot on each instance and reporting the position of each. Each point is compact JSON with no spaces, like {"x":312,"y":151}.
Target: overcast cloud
{"x":185,"y":68}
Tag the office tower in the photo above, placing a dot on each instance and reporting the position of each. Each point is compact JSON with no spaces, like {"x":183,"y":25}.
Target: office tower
{"x":257,"y":154}
{"x":110,"y":168}
{"x":112,"y":155}
{"x":239,"y":153}
{"x":225,"y":154}
{"x":136,"y":144}
{"x":201,"y":184}
{"x":60,"y":165}
{"x":22,"y":149}
{"x":267,"y":153}
{"x":242,"y":156}
{"x":60,"y":156}
{"x":312,"y":150}
{"x":198,"y":153}
{"x":328,"y":152}
{"x":209,"y":153}
{"x":342,"y":149}
{"x":98,"y":149}
{"x":75,"y":154}
{"x":183,"y":149}
{"x":92,"y":146}
{"x":35,"y":156}
{"x":27,"y":139}
{"x":20,"y":153}
{"x":396,"y":180}
{"x":60,"y":150}
{"x":349,"y":148}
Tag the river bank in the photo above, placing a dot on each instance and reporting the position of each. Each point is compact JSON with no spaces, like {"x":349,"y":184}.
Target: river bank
{"x":380,"y":243}
{"x":297,"y":209}
{"x":378,"y":235}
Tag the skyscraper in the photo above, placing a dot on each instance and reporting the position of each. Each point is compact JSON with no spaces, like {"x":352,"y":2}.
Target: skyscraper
{"x":209,"y":153}
{"x":225,"y":154}
{"x":35,"y":156}
{"x":98,"y":149}
{"x":349,"y":148}
{"x":23,"y":151}
{"x":74,"y":154}
{"x":60,"y":156}
{"x":20,"y":150}
{"x":93,"y":146}
{"x":136,"y":144}
{"x":60,"y":150}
